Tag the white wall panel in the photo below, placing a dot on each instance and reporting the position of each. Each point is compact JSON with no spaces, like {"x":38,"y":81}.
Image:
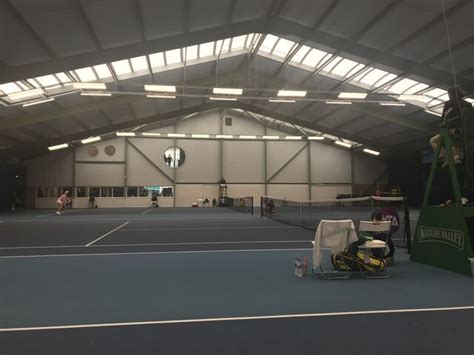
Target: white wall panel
{"x":153,"y":149}
{"x":290,"y":192}
{"x":319,"y":193}
{"x":201,"y":163}
{"x":52,"y":169}
{"x":243,"y":161}
{"x":117,"y":143}
{"x":278,"y":153}
{"x":187,"y":194}
{"x":89,"y":174}
{"x":208,"y":123}
{"x":242,"y":126}
{"x":141,"y":173}
{"x":330,"y":164}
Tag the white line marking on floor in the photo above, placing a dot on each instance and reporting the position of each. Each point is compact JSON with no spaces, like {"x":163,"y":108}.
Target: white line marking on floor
{"x":233,"y":319}
{"x":156,"y":219}
{"x":145,"y":212}
{"x":108,"y":233}
{"x":154,"y":244}
{"x":154,"y":253}
{"x":205,"y":228}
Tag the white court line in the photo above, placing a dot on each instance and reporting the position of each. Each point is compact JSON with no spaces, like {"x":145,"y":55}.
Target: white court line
{"x":154,"y":253}
{"x":156,"y":220}
{"x":67,"y":212}
{"x":205,"y":228}
{"x":145,"y":212}
{"x":155,"y":244}
{"x":233,"y":319}
{"x":106,"y":234}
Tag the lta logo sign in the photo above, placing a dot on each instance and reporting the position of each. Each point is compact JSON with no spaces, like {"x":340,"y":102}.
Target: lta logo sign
{"x":451,"y":237}
{"x":391,"y":214}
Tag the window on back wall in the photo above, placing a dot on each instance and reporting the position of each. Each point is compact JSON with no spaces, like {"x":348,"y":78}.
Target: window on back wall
{"x":105,"y":192}
{"x":142,"y":192}
{"x":132,"y":191}
{"x":95,"y":191}
{"x":228,"y":121}
{"x":81,"y":191}
{"x":69,"y":189}
{"x":118,"y":191}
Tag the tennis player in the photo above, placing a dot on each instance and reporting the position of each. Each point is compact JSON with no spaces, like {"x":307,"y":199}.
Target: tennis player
{"x":62,"y":201}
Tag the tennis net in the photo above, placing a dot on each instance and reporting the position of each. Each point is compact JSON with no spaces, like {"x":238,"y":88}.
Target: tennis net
{"x":241,"y":204}
{"x":308,"y":214}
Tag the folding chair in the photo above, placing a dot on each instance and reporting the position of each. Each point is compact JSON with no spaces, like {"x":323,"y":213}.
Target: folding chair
{"x":336,"y":236}
{"x":376,"y":247}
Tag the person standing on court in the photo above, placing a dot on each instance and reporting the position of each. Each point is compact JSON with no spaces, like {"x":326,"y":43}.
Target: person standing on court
{"x":62,"y":201}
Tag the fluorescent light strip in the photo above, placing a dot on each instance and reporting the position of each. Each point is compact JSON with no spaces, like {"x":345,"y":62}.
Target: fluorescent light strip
{"x":247,"y":137}
{"x":161,"y":96}
{"x":223,"y":98}
{"x":433,"y":113}
{"x":200,"y":135}
{"x":291,"y":93}
{"x":38,"y":102}
{"x":227,"y":91}
{"x":338,"y":102}
{"x":89,"y":86}
{"x":282,"y":100}
{"x":96,"y":94}
{"x":151,"y":134}
{"x":343,"y":144}
{"x":295,"y":138}
{"x":160,"y":88}
{"x":90,"y":140}
{"x":370,"y":151}
{"x":176,"y":135}
{"x":352,"y":95}
{"x":271,"y":137}
{"x":25,"y":94}
{"x":59,"y":146}
{"x":316,"y":138}
{"x":225,"y":136}
{"x":125,"y":134}
{"x":391,"y":103}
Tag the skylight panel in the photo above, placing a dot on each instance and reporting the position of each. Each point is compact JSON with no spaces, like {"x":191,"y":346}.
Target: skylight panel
{"x":249,"y":39}
{"x":316,"y":56}
{"x":372,"y":77}
{"x":344,"y":67}
{"x":226,"y":45}
{"x":102,"y":71}
{"x":86,"y":74}
{"x":385,"y":79}
{"x":415,"y":89}
{"x":122,"y":67}
{"x":34,"y":83}
{"x":22,"y":86}
{"x":206,"y":49}
{"x":436,"y":92}
{"x":330,"y":66}
{"x":9,"y":88}
{"x":283,"y":47}
{"x":157,"y":60}
{"x":63,"y":78}
{"x":268,"y":43}
{"x":255,"y":40}
{"x":237,"y":43}
{"x":434,"y":102}
{"x":299,"y":55}
{"x":139,"y":63}
{"x":173,"y":56}
{"x":354,"y":70}
{"x":47,"y":80}
{"x":191,"y":52}
{"x":402,"y":85}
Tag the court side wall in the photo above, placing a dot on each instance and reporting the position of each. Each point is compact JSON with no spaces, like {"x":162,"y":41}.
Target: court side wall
{"x":296,"y":170}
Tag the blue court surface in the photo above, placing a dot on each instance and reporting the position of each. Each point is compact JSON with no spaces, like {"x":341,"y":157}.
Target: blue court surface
{"x":208,"y":281}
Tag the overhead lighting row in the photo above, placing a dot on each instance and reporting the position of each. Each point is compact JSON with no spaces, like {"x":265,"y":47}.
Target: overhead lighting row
{"x":217,"y":136}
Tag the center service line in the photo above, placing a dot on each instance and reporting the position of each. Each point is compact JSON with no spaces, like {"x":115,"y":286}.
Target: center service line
{"x":108,"y":233}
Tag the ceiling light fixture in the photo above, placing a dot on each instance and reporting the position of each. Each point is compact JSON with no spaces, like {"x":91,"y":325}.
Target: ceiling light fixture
{"x":38,"y":102}
{"x":343,"y":144}
{"x":125,"y":134}
{"x":160,"y":88}
{"x":291,"y":93}
{"x":410,"y":97}
{"x":89,"y":86}
{"x":222,"y":98}
{"x":370,"y":151}
{"x":194,"y":135}
{"x":161,"y":96}
{"x":227,"y":91}
{"x":433,"y":113}
{"x":316,"y":138}
{"x":247,"y":137}
{"x":176,"y":135}
{"x":294,"y":138}
{"x":96,"y":94}
{"x":352,"y":95}
{"x":271,"y":137}
{"x":282,"y":100}
{"x":392,"y":103}
{"x":339,"y":102}
{"x":90,"y":140}
{"x":225,"y":136}
{"x":151,"y":134}
{"x":59,"y":146}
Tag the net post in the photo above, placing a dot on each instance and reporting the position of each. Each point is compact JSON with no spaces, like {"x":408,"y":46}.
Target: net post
{"x":251,"y":199}
{"x":407,"y":224}
{"x":261,"y":206}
